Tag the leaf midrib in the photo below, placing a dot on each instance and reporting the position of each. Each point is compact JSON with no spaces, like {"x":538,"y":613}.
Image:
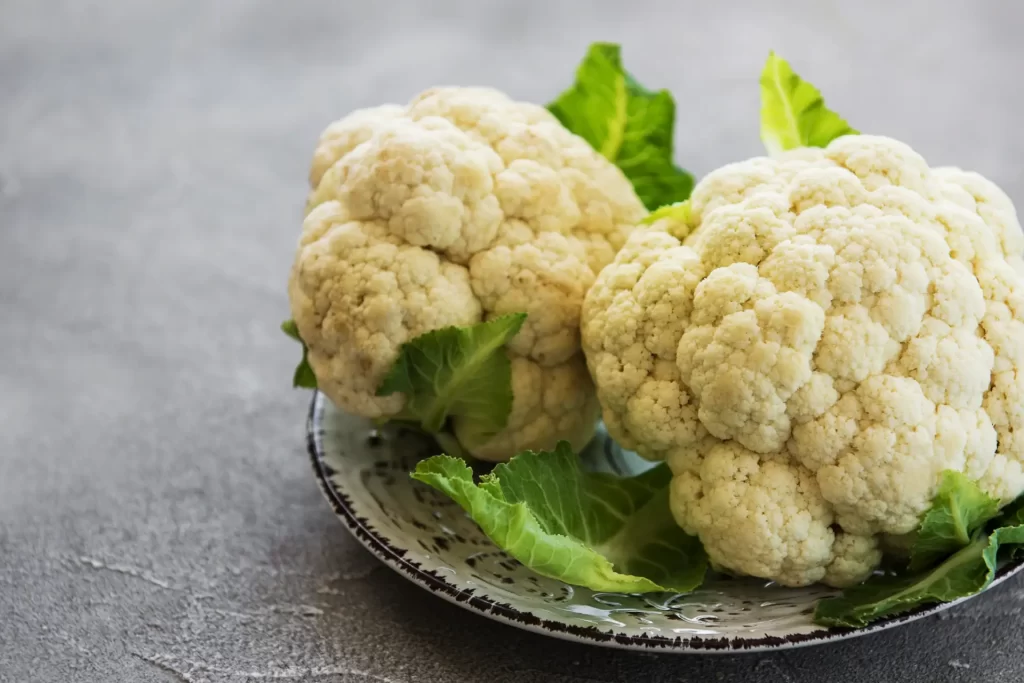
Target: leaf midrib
{"x":617,"y":125}
{"x":794,"y":127}
{"x":444,"y":395}
{"x":962,"y":535}
{"x":963,"y":556}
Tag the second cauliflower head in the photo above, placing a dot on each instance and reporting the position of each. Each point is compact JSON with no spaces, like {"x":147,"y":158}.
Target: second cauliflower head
{"x":460,"y":207}
{"x":810,"y":346}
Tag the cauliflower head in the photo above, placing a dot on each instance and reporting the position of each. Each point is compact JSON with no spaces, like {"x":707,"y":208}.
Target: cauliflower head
{"x":810,"y":346}
{"x":458,"y":208}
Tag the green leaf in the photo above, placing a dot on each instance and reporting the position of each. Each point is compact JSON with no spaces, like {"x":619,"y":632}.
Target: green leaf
{"x":954,"y":528}
{"x":584,"y":528}
{"x":1012,"y":514}
{"x":793,"y":112}
{"x":966,"y":572}
{"x":457,"y":372}
{"x":680,"y":211}
{"x":303,"y":377}
{"x":958,"y":510}
{"x":628,"y":124}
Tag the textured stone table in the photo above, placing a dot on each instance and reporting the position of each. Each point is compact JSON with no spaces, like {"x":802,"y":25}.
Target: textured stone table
{"x":158,"y":519}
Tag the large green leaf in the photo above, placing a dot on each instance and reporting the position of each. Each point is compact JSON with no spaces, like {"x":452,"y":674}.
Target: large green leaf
{"x":457,"y":372}
{"x":628,"y":124}
{"x":966,"y":572}
{"x":588,"y":529}
{"x":793,"y":112}
{"x":303,"y":376}
{"x":958,"y":510}
{"x":954,"y":528}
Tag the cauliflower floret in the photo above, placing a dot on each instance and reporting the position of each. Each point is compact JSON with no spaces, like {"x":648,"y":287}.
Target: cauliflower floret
{"x":344,"y":135}
{"x":880,"y":473}
{"x":742,"y":367}
{"x":458,"y":208}
{"x":827,"y":332}
{"x":756,"y":515}
{"x":854,"y":558}
{"x":358,"y":293}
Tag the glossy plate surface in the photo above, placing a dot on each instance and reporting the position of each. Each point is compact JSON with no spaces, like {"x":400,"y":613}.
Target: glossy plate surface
{"x":427,"y":538}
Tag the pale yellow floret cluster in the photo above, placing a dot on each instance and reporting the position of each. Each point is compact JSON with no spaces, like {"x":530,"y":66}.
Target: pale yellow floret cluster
{"x":462,"y":206}
{"x":822,"y":336}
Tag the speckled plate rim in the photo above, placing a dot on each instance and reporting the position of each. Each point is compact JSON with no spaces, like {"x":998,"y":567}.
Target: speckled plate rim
{"x":395,"y":557}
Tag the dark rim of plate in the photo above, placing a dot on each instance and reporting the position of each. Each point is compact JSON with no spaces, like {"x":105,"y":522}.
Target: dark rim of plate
{"x":397,"y":558}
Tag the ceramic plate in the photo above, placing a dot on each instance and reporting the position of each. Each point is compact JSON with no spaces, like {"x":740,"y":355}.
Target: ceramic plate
{"x":429,"y":540}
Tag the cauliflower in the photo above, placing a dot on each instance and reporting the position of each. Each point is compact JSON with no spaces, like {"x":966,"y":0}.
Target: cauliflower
{"x":810,"y":346}
{"x":458,"y":208}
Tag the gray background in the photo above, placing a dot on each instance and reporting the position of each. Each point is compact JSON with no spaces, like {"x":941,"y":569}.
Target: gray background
{"x":158,"y":520}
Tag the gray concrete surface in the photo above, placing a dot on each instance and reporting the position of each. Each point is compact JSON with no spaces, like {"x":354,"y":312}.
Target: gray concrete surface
{"x":158,"y":520}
